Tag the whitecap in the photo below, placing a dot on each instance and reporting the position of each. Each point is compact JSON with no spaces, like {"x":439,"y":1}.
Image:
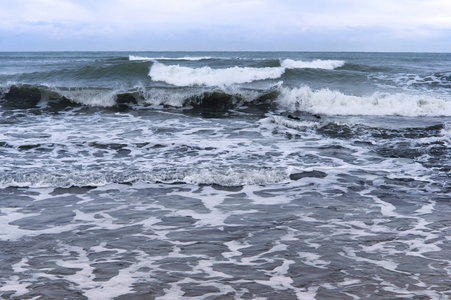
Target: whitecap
{"x":206,"y":76}
{"x":325,"y":101}
{"x":316,"y":64}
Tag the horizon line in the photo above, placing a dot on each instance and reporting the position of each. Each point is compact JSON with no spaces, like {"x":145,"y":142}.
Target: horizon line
{"x":210,"y":51}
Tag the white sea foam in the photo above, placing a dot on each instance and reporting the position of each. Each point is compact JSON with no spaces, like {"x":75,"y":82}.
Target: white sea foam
{"x":289,"y":123}
{"x":192,"y":58}
{"x":236,"y":177}
{"x":230,"y":177}
{"x":162,"y":97}
{"x":313,"y":259}
{"x":446,"y":131}
{"x":91,"y":97}
{"x":15,"y":285}
{"x":316,"y":64}
{"x":414,"y":81}
{"x":426,"y":209}
{"x":5,"y":88}
{"x":179,"y":97}
{"x":329,"y":102}
{"x":185,"y":76}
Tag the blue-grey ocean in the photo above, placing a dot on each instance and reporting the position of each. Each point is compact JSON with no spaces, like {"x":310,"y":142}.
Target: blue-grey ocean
{"x":225,"y":175}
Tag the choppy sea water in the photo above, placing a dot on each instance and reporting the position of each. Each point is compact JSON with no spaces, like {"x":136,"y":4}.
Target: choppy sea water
{"x":225,"y":175}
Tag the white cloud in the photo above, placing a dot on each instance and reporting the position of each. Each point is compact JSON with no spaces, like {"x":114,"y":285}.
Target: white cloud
{"x":257,"y":19}
{"x":129,"y":15}
{"x":399,"y":14}
{"x":42,"y":11}
{"x":134,"y":15}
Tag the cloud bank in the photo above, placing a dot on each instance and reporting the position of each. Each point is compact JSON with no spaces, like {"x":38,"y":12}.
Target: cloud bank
{"x":325,"y":25}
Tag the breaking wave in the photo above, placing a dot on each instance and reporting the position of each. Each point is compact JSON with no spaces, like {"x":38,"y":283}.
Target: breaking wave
{"x":316,"y":64}
{"x":213,"y":99}
{"x":325,"y":101}
{"x":206,"y":76}
{"x":28,"y":96}
{"x":221,"y":99}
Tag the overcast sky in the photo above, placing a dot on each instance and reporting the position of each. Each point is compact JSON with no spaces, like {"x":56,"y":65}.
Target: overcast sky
{"x":293,"y":25}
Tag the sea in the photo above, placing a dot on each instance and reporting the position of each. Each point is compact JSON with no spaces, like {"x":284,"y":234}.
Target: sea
{"x":225,"y":175}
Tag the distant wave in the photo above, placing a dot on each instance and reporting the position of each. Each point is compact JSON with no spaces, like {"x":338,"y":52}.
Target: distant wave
{"x":329,"y":102}
{"x":193,"y":58}
{"x":426,"y":81}
{"x":286,"y":63}
{"x":316,"y":64}
{"x":185,"y":76}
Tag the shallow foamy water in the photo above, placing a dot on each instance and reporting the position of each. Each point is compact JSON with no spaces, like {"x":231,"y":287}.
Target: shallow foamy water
{"x":140,"y":205}
{"x":300,"y":241}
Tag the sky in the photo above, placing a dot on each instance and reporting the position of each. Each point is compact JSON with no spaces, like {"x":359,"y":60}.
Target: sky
{"x":226,"y":25}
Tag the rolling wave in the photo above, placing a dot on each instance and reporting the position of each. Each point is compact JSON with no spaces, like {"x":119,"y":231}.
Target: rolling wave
{"x":316,"y":64}
{"x":188,"y":58}
{"x":206,"y":76}
{"x":104,"y":75}
{"x":120,"y":73}
{"x":325,"y":101}
{"x":44,"y":97}
{"x":220,"y":100}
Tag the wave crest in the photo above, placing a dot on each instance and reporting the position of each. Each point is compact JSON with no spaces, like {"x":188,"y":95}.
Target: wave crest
{"x":206,"y":76}
{"x":316,"y":64}
{"x":304,"y":99}
{"x":329,"y":102}
{"x":189,"y":58}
